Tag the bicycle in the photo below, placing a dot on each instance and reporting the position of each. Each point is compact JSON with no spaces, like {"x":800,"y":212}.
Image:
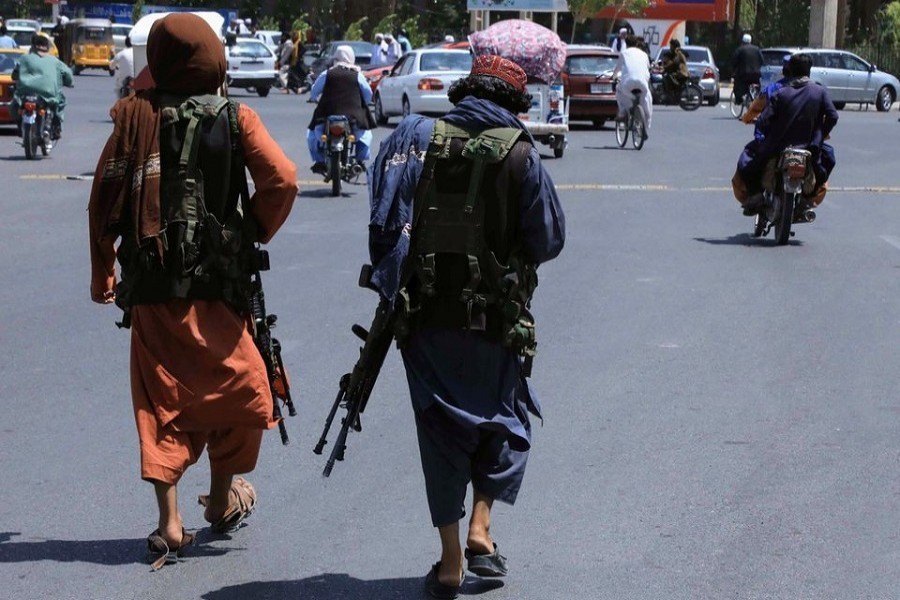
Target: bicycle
{"x":738,"y":109}
{"x":634,"y":123}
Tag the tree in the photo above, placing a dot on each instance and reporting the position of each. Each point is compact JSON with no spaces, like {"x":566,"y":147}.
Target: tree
{"x":582,"y":10}
{"x":889,"y":23}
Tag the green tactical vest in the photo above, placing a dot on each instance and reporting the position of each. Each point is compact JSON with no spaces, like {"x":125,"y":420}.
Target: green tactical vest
{"x":204,"y":235}
{"x":465,"y":269}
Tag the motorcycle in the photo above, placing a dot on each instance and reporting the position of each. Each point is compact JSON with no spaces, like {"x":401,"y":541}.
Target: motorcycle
{"x":785,"y":195}
{"x":340,"y":153}
{"x":37,"y":126}
{"x":689,"y":97}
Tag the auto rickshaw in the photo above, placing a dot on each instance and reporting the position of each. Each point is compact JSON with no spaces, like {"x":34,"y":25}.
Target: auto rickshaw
{"x":88,"y":44}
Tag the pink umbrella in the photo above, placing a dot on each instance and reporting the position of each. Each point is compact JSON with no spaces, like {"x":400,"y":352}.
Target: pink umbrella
{"x":536,"y":49}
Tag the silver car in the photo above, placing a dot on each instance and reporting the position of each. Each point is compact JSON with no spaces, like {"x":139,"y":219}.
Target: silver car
{"x":702,"y":69}
{"x":847,"y":77}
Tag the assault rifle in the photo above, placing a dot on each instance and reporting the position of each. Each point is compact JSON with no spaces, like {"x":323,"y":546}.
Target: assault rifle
{"x":268,"y":346}
{"x":356,"y":386}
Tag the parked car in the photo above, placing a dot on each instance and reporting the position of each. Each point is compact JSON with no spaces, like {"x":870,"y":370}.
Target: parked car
{"x":588,"y":83}
{"x":120,"y":32}
{"x":847,"y":77}
{"x":272,"y":39}
{"x":250,"y":64}
{"x":419,"y":83}
{"x":325,"y":56}
{"x":24,"y":24}
{"x":23,"y":36}
{"x":9,"y":58}
{"x":703,"y":70}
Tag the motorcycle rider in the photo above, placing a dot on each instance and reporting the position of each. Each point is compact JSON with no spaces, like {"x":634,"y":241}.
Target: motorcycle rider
{"x":633,"y":73}
{"x":43,"y":75}
{"x":746,"y":63}
{"x":675,"y":70}
{"x":124,"y":66}
{"x":801,"y":114}
{"x":341,"y":90}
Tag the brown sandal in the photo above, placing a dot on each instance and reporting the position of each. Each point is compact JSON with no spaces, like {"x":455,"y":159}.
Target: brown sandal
{"x":243,"y":501}
{"x":160,"y":553}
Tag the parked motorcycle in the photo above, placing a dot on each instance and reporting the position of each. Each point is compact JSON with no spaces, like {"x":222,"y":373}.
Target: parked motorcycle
{"x":689,"y":97}
{"x":36,"y":119}
{"x":786,"y":196}
{"x":340,"y":153}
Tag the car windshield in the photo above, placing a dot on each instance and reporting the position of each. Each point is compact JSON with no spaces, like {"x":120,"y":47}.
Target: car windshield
{"x":359,"y":48}
{"x":774,"y":58}
{"x":121,"y":29}
{"x":249,"y":50}
{"x":93,"y":34}
{"x":590,"y":65}
{"x":23,"y":38}
{"x":696,"y":54}
{"x":446,"y":61}
{"x":8,"y":61}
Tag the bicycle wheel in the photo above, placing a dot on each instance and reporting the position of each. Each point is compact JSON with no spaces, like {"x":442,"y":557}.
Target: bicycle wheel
{"x":638,"y":128}
{"x":737,"y":109}
{"x":622,"y":131}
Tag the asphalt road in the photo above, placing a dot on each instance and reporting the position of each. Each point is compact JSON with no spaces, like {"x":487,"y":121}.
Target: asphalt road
{"x":721,"y":414}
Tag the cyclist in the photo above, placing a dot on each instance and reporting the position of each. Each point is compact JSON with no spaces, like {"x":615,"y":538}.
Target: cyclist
{"x":633,"y":73}
{"x":746,"y":63}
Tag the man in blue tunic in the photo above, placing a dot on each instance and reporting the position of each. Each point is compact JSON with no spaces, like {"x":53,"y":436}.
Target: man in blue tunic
{"x":467,"y":200}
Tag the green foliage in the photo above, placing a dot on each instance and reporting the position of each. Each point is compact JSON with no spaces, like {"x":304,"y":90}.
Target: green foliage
{"x":356,"y":30}
{"x":137,"y":11}
{"x":889,"y":23}
{"x":416,"y":38}
{"x":582,"y":10}
{"x":386,"y":25}
{"x":268,"y":23}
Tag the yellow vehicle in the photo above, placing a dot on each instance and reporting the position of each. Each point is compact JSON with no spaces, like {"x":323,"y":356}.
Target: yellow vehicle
{"x":23,"y":36}
{"x":88,"y":44}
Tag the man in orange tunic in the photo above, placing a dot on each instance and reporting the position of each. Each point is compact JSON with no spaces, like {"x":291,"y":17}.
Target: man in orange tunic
{"x":197,"y":379}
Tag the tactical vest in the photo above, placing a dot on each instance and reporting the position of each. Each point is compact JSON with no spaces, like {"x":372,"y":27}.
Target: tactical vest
{"x":465,"y":268}
{"x":206,"y":240}
{"x":341,"y":96}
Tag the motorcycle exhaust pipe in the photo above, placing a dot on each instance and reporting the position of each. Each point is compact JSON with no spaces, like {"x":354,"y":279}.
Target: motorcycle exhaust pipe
{"x":807,"y":216}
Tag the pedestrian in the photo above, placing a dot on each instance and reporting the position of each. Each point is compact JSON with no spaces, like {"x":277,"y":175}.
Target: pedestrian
{"x":464,"y":329}
{"x":394,"y":51}
{"x":403,"y":40}
{"x":285,"y":57}
{"x":197,"y":379}
{"x":620,"y":43}
{"x":379,"y":51}
{"x":6,"y":40}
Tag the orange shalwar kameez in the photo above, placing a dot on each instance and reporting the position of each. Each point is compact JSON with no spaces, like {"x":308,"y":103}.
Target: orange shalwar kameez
{"x":197,"y":379}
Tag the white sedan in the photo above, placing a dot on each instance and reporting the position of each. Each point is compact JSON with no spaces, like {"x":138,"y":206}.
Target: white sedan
{"x":250,"y":64}
{"x":418,"y":83}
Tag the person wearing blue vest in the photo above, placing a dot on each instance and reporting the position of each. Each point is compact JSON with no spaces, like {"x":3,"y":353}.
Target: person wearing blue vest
{"x":462,"y":214}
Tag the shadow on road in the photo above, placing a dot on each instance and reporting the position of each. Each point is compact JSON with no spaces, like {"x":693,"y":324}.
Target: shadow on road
{"x":744,"y":239}
{"x":99,"y":552}
{"x":340,"y":586}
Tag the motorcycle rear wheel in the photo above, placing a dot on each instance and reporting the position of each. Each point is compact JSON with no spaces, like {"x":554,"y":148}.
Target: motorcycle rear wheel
{"x":334,"y":172}
{"x":691,"y":97}
{"x":29,"y":140}
{"x":737,"y":108}
{"x":783,"y":219}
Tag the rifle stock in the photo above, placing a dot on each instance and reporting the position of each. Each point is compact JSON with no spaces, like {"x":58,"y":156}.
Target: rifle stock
{"x":356,"y":386}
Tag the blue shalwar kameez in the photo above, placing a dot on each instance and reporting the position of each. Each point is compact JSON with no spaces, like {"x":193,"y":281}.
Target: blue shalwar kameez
{"x":469,"y":397}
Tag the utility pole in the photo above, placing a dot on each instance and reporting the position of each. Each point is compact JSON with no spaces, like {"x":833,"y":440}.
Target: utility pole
{"x":823,"y":19}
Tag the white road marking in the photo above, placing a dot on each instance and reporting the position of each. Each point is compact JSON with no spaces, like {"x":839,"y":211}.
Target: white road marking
{"x":895,"y":242}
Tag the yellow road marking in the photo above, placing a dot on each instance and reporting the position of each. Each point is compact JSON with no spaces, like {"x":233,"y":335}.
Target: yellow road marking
{"x":563,"y":187}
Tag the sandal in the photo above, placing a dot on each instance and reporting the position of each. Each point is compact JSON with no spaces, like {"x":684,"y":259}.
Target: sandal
{"x":436,"y":589}
{"x":243,"y":501}
{"x":487,"y":565}
{"x":160,"y":553}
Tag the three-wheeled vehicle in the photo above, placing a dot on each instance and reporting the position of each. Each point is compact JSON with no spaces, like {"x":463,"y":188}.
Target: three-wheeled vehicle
{"x":88,"y":44}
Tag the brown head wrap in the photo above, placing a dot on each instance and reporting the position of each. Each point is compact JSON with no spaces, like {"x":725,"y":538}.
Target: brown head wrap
{"x":185,"y":56}
{"x":501,"y":68}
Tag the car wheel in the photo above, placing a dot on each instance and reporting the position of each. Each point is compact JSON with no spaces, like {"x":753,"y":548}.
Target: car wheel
{"x":76,"y":70}
{"x":885,"y":98}
{"x":840,"y":105}
{"x":380,"y":117}
{"x":263,"y":90}
{"x":406,"y":110}
{"x":598,"y":123}
{"x":714,"y":101}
